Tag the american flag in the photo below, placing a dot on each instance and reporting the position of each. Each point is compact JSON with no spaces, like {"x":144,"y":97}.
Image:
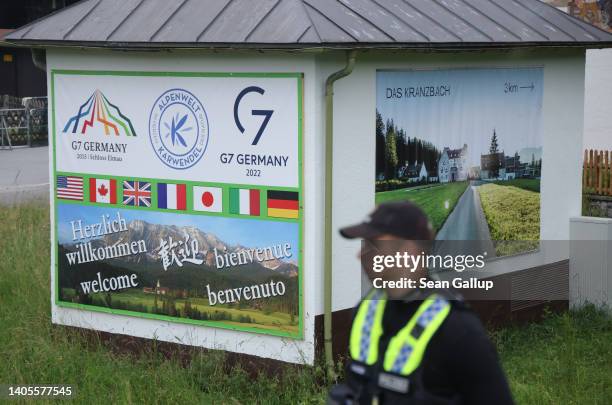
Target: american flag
{"x":137,"y":193}
{"x":70,"y":188}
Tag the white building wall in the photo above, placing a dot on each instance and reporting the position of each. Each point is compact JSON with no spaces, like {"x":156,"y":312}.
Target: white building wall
{"x":598,"y":100}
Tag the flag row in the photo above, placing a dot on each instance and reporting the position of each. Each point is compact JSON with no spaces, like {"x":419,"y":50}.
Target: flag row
{"x":173,"y":196}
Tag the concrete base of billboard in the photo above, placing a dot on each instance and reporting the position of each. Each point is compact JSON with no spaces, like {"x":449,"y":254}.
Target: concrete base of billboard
{"x":132,"y":345}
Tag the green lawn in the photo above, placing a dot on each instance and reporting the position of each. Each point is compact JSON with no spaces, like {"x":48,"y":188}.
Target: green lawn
{"x":433,"y":200}
{"x":566,"y":359}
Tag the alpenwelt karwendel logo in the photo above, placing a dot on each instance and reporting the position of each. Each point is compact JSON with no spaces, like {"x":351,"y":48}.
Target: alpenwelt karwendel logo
{"x":178,"y":129}
{"x":98,"y":111}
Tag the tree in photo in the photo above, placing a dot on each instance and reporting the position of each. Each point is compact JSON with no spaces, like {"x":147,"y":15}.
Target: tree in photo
{"x":400,"y":146}
{"x":391,"y":160}
{"x":494,"y":152}
{"x":380,"y":144}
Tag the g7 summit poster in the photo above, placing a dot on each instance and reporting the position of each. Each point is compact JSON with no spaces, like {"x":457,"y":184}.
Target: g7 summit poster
{"x":466,"y":146}
{"x":178,"y":197}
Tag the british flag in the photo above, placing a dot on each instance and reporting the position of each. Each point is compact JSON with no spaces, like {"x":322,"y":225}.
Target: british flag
{"x":137,"y":193}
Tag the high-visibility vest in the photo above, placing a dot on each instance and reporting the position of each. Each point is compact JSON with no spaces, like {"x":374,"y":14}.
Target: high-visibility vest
{"x":405,"y":350}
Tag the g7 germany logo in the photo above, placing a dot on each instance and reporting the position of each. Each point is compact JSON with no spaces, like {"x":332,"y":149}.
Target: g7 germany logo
{"x":267,"y":114}
{"x":178,"y":129}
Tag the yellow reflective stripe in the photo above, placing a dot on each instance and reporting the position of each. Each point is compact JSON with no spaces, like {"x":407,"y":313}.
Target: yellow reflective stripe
{"x":366,"y":330}
{"x":405,"y":353}
{"x":354,"y":344}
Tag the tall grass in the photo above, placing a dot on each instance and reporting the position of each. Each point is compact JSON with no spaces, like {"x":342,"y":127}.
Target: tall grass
{"x":566,"y":359}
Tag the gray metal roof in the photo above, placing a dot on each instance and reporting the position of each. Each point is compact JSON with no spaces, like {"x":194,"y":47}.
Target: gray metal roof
{"x":310,"y":23}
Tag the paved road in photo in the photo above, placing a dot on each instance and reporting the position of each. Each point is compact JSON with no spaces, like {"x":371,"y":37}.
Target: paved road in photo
{"x":24,"y":174}
{"x":467,"y":223}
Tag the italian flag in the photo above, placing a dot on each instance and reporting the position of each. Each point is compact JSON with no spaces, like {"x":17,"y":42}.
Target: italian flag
{"x":244,"y":201}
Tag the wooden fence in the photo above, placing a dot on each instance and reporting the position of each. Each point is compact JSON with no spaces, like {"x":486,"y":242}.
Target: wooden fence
{"x":597,"y":172}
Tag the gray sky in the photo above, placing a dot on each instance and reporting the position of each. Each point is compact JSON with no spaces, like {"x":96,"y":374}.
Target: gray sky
{"x":466,"y":106}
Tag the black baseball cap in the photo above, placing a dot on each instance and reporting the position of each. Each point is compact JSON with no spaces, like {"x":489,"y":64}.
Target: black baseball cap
{"x":402,"y":219}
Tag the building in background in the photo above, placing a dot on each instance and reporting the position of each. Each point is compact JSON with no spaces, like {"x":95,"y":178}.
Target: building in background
{"x":19,"y":77}
{"x":414,"y":173}
{"x":492,"y":166}
{"x":452,"y":165}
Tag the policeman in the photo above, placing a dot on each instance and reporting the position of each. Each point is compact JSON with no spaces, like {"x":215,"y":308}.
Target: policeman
{"x":414,"y":346}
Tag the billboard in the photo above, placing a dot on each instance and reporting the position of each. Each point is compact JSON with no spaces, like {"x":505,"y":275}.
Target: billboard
{"x":178,"y":196}
{"x":466,"y":146}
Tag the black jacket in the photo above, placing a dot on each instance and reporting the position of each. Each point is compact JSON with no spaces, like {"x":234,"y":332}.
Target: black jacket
{"x":460,"y":364}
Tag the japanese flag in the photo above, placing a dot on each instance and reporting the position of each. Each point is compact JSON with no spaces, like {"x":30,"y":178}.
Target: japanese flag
{"x":103,"y":191}
{"x":208,"y":199}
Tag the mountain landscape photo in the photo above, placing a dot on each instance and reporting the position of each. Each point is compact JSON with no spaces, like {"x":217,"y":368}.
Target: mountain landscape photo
{"x":182,"y":289}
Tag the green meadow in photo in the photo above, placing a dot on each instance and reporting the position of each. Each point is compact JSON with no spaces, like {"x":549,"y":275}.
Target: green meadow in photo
{"x":438,"y":200}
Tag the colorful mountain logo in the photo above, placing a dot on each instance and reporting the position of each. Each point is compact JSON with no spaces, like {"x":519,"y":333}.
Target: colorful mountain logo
{"x":97,"y":109}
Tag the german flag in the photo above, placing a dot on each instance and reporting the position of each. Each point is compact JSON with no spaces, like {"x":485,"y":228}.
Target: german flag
{"x":283,"y":204}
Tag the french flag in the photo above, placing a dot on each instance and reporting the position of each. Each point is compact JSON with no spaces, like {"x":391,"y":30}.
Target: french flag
{"x":172,"y":196}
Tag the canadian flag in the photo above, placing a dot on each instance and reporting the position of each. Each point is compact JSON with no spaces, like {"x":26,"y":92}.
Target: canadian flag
{"x":103,"y":191}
